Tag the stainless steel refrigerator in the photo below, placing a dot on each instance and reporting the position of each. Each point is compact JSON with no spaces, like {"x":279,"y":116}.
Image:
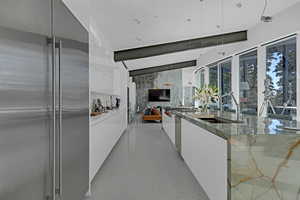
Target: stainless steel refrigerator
{"x":44,"y":102}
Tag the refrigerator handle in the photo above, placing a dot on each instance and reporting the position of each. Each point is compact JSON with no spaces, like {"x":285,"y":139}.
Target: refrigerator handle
{"x":54,"y":117}
{"x":60,"y":110}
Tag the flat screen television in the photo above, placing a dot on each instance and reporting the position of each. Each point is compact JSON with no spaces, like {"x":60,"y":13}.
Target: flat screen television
{"x":158,"y":95}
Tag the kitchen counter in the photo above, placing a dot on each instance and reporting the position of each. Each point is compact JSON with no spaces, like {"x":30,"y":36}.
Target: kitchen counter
{"x":263,"y":158}
{"x":251,"y":125}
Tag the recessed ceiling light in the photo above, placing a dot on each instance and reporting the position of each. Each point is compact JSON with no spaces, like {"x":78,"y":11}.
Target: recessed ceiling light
{"x":239,"y":5}
{"x":266,"y":18}
{"x":138,"y":39}
{"x":137,"y":21}
{"x":222,"y":53}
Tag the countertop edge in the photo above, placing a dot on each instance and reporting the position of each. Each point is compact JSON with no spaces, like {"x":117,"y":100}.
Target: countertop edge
{"x":201,"y":125}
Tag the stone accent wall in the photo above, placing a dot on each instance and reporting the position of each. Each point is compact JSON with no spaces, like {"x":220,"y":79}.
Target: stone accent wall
{"x":162,"y":80}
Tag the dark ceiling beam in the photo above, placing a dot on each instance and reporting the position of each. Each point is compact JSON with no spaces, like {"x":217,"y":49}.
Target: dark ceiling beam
{"x":161,"y":68}
{"x":172,"y":47}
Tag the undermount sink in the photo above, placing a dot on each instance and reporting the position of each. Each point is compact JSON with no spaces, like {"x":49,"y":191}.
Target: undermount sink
{"x":215,"y":120}
{"x":219,"y":120}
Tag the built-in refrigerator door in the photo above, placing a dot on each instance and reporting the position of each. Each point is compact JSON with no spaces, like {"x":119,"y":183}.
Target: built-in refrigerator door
{"x":25,"y":100}
{"x":73,"y":95}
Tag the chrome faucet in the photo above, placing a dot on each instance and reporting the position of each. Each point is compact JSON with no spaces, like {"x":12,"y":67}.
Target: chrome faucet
{"x":235,"y":102}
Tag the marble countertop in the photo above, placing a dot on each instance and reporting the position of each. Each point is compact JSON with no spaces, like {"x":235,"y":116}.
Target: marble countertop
{"x":250,"y":125}
{"x":263,"y":158}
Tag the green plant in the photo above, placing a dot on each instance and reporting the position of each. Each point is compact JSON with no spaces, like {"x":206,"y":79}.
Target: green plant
{"x":207,"y":95}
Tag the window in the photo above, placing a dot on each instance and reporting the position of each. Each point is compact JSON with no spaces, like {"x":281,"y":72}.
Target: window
{"x":220,"y":76}
{"x":281,"y":75}
{"x":248,"y":82}
{"x":200,"y":82}
{"x":197,"y":75}
{"x":225,"y":83}
{"x":213,"y":75}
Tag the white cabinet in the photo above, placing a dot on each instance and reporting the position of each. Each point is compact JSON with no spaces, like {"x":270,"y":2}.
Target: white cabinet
{"x":169,"y":126}
{"x":172,"y":129}
{"x":103,"y":137}
{"x":206,"y":156}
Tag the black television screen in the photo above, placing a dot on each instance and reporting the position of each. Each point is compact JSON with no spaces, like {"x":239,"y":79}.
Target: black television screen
{"x":157,"y":95}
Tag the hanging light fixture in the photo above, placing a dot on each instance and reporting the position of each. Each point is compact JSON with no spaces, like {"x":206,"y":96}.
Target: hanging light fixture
{"x":221,"y":26}
{"x":266,"y":18}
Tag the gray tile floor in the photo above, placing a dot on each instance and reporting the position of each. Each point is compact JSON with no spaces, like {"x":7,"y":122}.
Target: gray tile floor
{"x":145,"y":166}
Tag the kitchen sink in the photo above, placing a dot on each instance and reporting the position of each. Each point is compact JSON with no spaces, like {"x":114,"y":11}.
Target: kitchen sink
{"x":215,"y":119}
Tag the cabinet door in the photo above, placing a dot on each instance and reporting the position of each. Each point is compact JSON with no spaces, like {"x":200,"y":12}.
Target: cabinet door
{"x":206,"y":156}
{"x":25,"y":121}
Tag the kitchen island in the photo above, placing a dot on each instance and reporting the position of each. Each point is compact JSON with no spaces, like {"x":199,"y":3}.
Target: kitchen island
{"x":256,"y":158}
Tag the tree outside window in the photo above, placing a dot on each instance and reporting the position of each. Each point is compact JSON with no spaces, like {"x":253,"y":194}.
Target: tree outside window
{"x":225,"y":83}
{"x":281,"y":72}
{"x":213,"y":76}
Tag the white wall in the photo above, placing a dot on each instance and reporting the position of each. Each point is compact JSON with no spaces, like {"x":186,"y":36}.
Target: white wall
{"x":132,"y":94}
{"x":188,"y":77}
{"x":80,"y":9}
{"x":188,"y":82}
{"x":107,"y":77}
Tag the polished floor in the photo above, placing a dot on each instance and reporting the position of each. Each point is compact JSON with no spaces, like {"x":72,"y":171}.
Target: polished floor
{"x":145,"y":166}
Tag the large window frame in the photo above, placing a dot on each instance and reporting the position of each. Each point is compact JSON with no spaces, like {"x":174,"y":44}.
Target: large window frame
{"x":220,"y":68}
{"x":213,"y":73}
{"x":281,"y":72}
{"x":200,"y":78}
{"x":261,"y":76}
{"x":248,"y":84}
{"x":225,"y":83}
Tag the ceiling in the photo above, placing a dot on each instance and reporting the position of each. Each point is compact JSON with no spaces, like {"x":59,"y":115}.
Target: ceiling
{"x":136,"y":23}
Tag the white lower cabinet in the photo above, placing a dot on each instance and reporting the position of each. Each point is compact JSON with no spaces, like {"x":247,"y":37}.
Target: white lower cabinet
{"x":168,"y":123}
{"x":206,"y":156}
{"x":103,"y":137}
{"x":172,"y":129}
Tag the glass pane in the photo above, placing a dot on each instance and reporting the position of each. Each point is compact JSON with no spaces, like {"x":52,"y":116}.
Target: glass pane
{"x":202,"y":75}
{"x":248,"y":82}
{"x":213,"y":76}
{"x":281,"y":74}
{"x":225,"y":83}
{"x":200,"y":78}
{"x":198,"y":84}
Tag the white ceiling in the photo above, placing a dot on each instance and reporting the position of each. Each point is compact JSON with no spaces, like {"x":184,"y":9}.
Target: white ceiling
{"x":135,"y":23}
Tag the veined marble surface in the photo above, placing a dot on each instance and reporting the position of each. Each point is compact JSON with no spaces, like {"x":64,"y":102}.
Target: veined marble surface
{"x":264,"y":158}
{"x":265,"y":167}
